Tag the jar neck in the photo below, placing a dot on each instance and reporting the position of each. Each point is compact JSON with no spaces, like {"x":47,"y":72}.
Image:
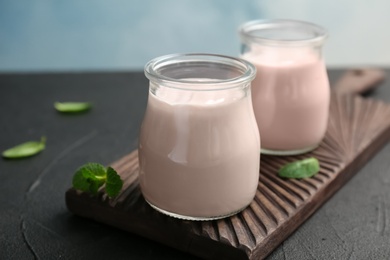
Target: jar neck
{"x":283,"y":32}
{"x":282,"y":52}
{"x":198,"y":72}
{"x":179,"y":96}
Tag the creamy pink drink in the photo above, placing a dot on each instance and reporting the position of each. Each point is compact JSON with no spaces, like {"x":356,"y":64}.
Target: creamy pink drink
{"x":199,"y":151}
{"x":291,"y":92}
{"x":290,"y":97}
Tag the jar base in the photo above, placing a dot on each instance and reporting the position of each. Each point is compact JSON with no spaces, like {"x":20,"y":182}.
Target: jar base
{"x":184,"y":217}
{"x":288,"y":152}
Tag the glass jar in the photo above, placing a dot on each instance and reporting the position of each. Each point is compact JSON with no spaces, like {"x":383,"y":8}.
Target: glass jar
{"x":199,"y":147}
{"x":291,"y":91}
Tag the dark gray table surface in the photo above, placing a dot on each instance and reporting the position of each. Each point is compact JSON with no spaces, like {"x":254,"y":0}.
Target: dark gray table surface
{"x":35,"y":223}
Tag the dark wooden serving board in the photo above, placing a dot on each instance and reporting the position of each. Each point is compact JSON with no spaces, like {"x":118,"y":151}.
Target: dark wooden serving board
{"x":357,"y":129}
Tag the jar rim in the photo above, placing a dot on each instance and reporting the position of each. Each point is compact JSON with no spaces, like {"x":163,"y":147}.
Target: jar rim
{"x":260,"y":31}
{"x":153,"y":71}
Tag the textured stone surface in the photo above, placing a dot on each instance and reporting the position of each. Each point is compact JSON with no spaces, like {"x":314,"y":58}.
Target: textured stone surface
{"x":35,"y":223}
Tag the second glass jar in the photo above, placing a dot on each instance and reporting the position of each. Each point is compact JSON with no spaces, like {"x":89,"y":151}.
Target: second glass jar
{"x":291,"y":92}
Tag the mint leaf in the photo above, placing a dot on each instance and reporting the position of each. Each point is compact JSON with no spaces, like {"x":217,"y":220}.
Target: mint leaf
{"x":113,"y":183}
{"x":25,"y":149}
{"x":72,"y":107}
{"x":91,"y":176}
{"x":300,"y":169}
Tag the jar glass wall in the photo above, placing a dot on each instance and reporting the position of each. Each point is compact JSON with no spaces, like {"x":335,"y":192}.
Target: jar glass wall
{"x":291,"y":92}
{"x":199,"y":148}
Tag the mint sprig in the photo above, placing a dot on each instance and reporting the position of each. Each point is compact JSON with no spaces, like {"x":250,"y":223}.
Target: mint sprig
{"x":305,"y":168}
{"x":91,"y":176}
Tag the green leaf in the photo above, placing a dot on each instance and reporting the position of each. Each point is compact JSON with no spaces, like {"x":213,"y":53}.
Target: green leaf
{"x":72,"y":107}
{"x":25,"y":149}
{"x":114,"y":183}
{"x":300,"y":169}
{"x":89,"y":177}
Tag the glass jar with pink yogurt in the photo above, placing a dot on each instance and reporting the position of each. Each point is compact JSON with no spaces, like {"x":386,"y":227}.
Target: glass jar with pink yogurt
{"x":199,"y":147}
{"x":291,"y":91}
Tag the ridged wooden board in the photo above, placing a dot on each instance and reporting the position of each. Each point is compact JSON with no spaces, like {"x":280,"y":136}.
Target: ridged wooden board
{"x":357,"y":129}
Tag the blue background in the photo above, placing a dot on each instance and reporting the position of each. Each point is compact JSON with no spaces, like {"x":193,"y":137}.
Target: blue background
{"x":75,"y":35}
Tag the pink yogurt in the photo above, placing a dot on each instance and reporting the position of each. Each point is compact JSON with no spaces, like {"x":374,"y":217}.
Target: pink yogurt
{"x":290,"y":97}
